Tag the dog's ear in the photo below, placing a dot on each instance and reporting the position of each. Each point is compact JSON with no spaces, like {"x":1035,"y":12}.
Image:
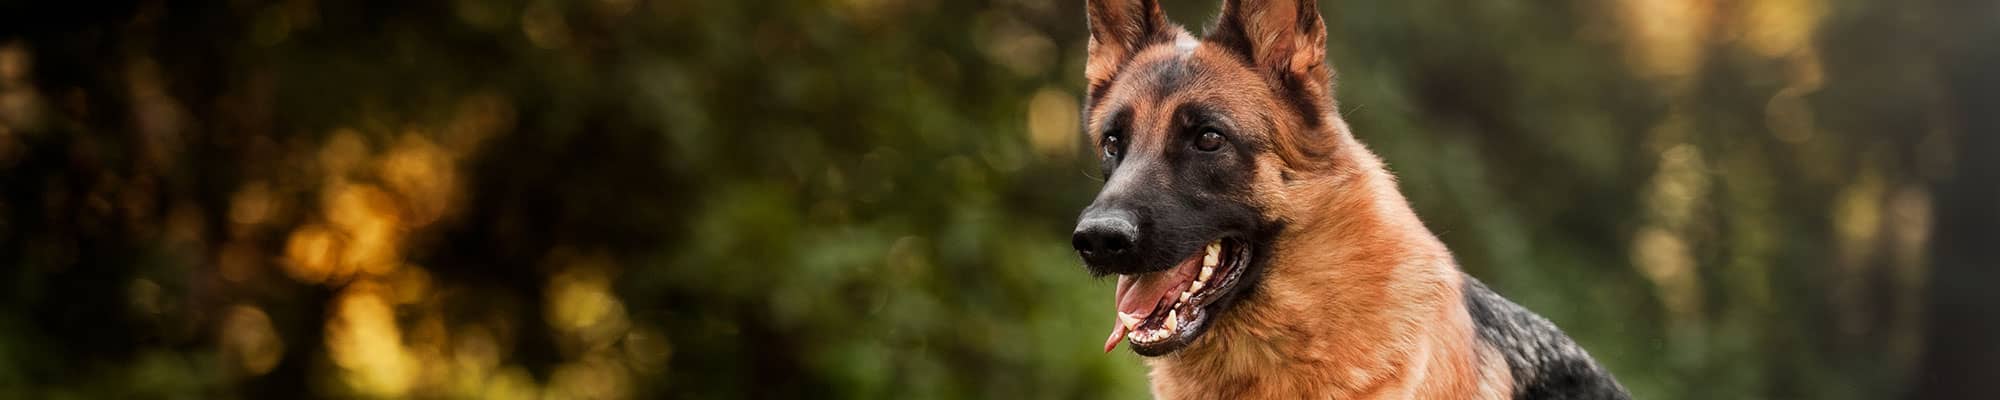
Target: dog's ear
{"x":1283,"y":38}
{"x":1118,"y":30}
{"x":1285,"y":41}
{"x":1278,"y":35}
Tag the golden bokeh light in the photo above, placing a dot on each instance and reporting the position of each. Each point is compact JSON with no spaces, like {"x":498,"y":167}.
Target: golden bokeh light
{"x":1665,"y":37}
{"x":475,"y":349}
{"x":1014,"y":44}
{"x":342,"y":153}
{"x":478,"y":117}
{"x":15,"y":64}
{"x":311,"y":254}
{"x":1776,"y":28}
{"x":1052,"y":122}
{"x":372,"y":230}
{"x":410,"y":285}
{"x":21,"y":108}
{"x":1663,"y":251}
{"x":388,"y":335}
{"x":1857,"y":219}
{"x":511,"y":383}
{"x":420,"y":172}
{"x":1664,"y":258}
{"x":252,"y":205}
{"x":248,"y":342}
{"x":647,"y":350}
{"x":363,"y":339}
{"x":590,"y":378}
{"x":581,"y":305}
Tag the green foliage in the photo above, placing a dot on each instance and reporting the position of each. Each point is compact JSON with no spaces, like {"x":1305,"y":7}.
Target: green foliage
{"x":871,"y":198}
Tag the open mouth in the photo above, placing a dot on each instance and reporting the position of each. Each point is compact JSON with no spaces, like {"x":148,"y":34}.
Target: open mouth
{"x":1163,"y":311}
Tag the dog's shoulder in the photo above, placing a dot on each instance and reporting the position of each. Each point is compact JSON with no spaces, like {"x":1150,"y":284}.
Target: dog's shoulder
{"x":1544,"y":362}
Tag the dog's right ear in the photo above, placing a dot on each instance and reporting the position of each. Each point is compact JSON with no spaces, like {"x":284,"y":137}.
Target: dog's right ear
{"x":1118,"y":30}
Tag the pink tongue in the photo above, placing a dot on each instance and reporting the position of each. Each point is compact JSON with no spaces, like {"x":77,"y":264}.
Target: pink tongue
{"x":1117,"y":335}
{"x":1139,"y":296}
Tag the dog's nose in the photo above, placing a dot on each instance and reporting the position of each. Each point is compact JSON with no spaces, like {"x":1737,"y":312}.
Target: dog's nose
{"x":1103,"y":238}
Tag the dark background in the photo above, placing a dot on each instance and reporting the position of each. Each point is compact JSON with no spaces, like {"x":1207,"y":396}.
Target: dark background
{"x":870,"y":198}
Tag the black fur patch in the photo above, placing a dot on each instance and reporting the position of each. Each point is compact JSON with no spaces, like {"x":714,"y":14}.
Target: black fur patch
{"x":1169,"y":76}
{"x":1544,"y":362}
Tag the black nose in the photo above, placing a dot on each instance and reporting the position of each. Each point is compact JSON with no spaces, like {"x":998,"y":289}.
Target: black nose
{"x":1105,"y":238}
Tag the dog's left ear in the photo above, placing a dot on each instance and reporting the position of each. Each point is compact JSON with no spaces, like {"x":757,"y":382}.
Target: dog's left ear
{"x":1285,"y":39}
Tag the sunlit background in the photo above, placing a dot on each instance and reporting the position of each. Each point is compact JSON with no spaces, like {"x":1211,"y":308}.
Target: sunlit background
{"x":599,"y":199}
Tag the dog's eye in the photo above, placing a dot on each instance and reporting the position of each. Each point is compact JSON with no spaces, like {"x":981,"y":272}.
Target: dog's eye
{"x":1111,"y":146}
{"x":1209,"y":141}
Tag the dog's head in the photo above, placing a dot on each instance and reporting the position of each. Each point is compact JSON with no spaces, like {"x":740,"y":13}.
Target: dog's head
{"x":1197,"y":138}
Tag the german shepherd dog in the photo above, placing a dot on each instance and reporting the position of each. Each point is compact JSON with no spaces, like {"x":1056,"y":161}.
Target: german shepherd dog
{"x":1261,"y":251}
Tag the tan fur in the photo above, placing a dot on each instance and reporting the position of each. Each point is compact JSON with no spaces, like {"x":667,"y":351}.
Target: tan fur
{"x":1360,"y":300}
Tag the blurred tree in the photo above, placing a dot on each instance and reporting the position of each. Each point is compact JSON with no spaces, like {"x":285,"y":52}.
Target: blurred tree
{"x":868,"y":198}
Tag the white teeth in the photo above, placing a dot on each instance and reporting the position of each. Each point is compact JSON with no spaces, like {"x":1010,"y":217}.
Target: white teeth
{"x":1214,"y":255}
{"x":1131,"y":322}
{"x":1205,"y":273}
{"x":1151,"y":335}
{"x":1186,"y":295}
{"x":1193,"y":287}
{"x":1173,"y":320}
